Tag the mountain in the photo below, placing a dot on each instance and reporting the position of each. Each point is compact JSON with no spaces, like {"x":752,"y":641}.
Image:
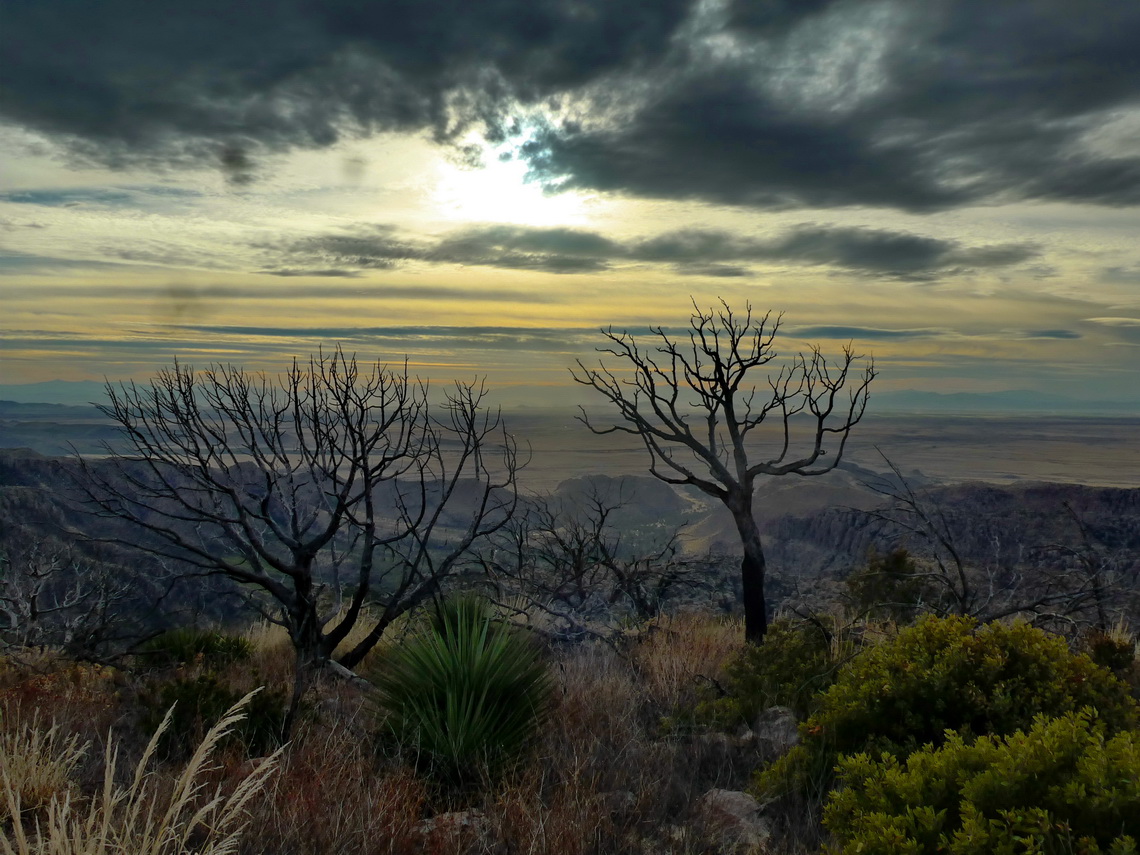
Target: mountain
{"x":75,"y":392}
{"x":1011,"y":401}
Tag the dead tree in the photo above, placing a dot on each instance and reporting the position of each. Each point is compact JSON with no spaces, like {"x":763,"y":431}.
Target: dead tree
{"x":52,"y":596}
{"x":924,"y":527}
{"x":566,"y":559}
{"x":1058,"y":584}
{"x":695,"y":404}
{"x":336,"y":495}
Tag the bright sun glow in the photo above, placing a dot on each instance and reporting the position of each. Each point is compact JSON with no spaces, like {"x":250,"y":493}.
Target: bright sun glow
{"x":499,"y":193}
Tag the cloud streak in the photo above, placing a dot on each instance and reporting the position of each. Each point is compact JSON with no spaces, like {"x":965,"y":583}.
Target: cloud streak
{"x":697,"y":252}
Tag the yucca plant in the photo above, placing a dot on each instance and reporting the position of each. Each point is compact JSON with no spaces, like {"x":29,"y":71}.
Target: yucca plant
{"x":139,"y":819}
{"x":466,"y":694}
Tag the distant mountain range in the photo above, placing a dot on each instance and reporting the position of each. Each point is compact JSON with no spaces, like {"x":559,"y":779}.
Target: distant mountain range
{"x":1012,"y":401}
{"x":72,"y":392}
{"x":84,"y":392}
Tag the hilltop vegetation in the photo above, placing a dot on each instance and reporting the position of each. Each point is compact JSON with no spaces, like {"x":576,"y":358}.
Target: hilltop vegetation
{"x":649,"y":744}
{"x":661,"y":732}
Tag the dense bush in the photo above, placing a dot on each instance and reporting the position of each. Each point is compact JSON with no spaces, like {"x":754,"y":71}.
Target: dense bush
{"x":466,"y":694}
{"x":1061,"y":786}
{"x":795,"y":663}
{"x":946,"y":674}
{"x":196,"y":703}
{"x":891,"y":587}
{"x":191,"y":646}
{"x":1116,"y":651}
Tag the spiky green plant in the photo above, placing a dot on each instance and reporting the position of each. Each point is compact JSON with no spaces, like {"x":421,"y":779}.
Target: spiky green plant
{"x":466,"y":694}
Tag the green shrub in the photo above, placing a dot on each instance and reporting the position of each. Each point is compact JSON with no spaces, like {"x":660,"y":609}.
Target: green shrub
{"x":795,"y":663}
{"x":191,"y":646}
{"x":891,"y":587}
{"x":1060,"y":787}
{"x":945,"y":674}
{"x":1116,"y":651}
{"x":466,"y":695}
{"x":201,"y":701}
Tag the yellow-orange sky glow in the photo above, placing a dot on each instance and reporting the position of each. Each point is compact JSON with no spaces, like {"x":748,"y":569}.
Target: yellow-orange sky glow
{"x":814,"y":163}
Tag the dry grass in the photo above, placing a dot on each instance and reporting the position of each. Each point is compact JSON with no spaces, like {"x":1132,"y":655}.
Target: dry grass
{"x":37,"y":763}
{"x":150,"y":816}
{"x":273,"y":651}
{"x":603,"y":777}
{"x":681,"y":651}
{"x":331,"y":796}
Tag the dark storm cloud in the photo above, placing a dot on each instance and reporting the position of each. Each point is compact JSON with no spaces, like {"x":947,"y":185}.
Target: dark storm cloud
{"x":702,"y":252}
{"x":772,"y":16}
{"x":314,"y":273}
{"x":219,"y":81}
{"x":870,"y":251}
{"x":715,"y":138}
{"x":942,"y":104}
{"x":553,"y":250}
{"x":763,"y":103}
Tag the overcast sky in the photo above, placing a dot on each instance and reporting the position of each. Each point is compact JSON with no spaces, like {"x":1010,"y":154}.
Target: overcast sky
{"x":951,"y":185}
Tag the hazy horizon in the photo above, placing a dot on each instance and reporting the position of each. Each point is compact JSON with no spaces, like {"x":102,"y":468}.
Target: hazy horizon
{"x":479,"y":187}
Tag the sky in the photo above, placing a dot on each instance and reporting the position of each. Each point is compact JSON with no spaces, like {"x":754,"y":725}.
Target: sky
{"x":951,"y":186}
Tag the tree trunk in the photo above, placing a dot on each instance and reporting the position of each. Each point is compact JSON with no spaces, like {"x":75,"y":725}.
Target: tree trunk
{"x":307,"y":639}
{"x":751,"y":572}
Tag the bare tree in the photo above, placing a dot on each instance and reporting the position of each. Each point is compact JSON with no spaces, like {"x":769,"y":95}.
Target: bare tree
{"x":52,"y":596}
{"x":335,"y":494}
{"x":1058,"y":583}
{"x":1102,"y":581}
{"x":695,"y":405}
{"x":567,"y":559}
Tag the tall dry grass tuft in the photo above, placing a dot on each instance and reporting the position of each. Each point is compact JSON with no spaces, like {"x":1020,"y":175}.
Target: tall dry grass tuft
{"x":37,"y":764}
{"x":332,"y":796}
{"x":273,"y":658}
{"x":606,"y":777}
{"x":681,"y":651}
{"x":145,"y":818}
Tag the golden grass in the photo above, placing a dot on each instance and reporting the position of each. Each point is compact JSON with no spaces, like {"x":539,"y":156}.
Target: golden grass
{"x":37,"y":764}
{"x":273,"y":651}
{"x":679,"y":651}
{"x":151,"y":815}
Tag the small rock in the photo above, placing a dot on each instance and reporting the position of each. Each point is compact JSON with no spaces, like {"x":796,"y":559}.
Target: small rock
{"x":776,"y":729}
{"x":455,"y":831}
{"x":734,"y":817}
{"x":619,"y":802}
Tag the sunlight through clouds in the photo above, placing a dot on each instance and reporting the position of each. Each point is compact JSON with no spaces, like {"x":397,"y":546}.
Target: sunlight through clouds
{"x":499,"y":192}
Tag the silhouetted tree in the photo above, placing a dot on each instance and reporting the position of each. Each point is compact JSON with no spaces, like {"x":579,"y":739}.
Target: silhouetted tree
{"x":335,"y":493}
{"x":567,"y":559}
{"x":694,"y":402}
{"x":51,"y":595}
{"x":1058,"y":584}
